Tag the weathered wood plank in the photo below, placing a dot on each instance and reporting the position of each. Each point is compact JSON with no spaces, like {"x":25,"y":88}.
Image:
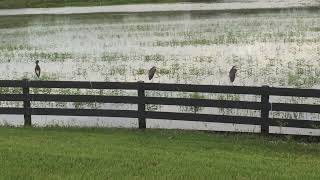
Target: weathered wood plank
{"x":84,"y":112}
{"x":84,"y":98}
{"x":203,"y":117}
{"x":12,"y":110}
{"x":295,"y":107}
{"x":11,"y":83}
{"x":203,"y":88}
{"x":83,"y":85}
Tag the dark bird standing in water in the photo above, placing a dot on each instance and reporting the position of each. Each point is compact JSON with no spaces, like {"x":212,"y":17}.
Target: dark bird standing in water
{"x":37,"y":69}
{"x":232,"y":73}
{"x":152,"y":71}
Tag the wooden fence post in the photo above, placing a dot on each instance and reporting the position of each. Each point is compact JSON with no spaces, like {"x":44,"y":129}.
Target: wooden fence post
{"x":265,"y":108}
{"x":26,"y":103}
{"x":141,"y":105}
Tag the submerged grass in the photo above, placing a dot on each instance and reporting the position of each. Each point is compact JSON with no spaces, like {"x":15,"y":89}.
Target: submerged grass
{"x":186,"y":48}
{"x":55,"y":56}
{"x":11,"y":4}
{"x":71,"y":153}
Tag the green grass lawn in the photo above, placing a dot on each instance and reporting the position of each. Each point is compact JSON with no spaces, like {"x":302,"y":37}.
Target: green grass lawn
{"x":10,"y":4}
{"x":70,"y":153}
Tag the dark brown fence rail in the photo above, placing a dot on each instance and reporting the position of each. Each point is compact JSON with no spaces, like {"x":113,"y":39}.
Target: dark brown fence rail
{"x":264,"y":105}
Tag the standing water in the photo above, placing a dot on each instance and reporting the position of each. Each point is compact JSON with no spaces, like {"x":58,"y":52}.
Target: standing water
{"x":271,"y":45}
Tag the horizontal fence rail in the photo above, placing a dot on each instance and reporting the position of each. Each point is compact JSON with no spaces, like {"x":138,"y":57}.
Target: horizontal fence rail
{"x":203,"y":103}
{"x":264,"y":106}
{"x":83,"y":85}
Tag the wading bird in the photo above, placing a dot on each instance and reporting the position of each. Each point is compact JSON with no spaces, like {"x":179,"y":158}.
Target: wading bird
{"x":152,"y":71}
{"x":37,"y":69}
{"x":232,"y":73}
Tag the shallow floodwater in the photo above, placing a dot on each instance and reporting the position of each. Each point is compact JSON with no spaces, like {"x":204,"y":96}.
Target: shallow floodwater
{"x":204,"y":5}
{"x":271,"y":47}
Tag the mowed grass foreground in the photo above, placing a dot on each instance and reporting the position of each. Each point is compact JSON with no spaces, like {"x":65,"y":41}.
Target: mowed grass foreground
{"x":69,"y":153}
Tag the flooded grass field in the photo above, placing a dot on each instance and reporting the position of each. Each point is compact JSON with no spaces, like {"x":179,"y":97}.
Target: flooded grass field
{"x":279,"y":48}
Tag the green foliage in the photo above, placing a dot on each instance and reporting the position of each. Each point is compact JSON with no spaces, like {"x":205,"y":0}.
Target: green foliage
{"x":10,"y":4}
{"x":155,"y":57}
{"x":51,"y":56}
{"x":141,"y":71}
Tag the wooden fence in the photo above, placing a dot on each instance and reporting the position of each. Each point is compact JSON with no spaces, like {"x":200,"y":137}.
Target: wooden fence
{"x":264,"y":106}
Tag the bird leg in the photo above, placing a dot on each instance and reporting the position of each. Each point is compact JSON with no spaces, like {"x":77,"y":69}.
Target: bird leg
{"x":158,"y":76}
